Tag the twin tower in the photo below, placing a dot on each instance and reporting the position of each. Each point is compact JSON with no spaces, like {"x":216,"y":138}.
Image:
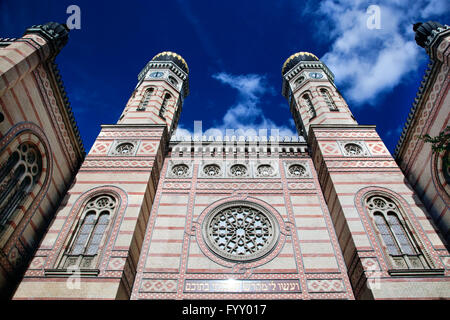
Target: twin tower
{"x":330,"y":216}
{"x":307,"y":84}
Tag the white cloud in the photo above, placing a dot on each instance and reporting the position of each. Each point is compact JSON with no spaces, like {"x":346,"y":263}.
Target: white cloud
{"x":246,"y":117}
{"x":182,"y":132}
{"x":367,"y":62}
{"x":435,"y":7}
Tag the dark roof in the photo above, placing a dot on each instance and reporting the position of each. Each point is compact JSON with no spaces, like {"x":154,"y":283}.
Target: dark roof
{"x":424,"y":30}
{"x":296,"y":58}
{"x":174,"y":57}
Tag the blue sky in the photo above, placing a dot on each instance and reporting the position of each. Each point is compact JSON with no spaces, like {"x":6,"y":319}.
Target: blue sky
{"x":235,"y":51}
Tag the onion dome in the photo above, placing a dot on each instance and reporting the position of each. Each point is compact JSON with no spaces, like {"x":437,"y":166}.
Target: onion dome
{"x":424,"y":30}
{"x":296,"y":58}
{"x":175,"y":58}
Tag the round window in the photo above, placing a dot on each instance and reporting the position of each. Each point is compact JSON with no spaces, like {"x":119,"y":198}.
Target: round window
{"x":180,"y":170}
{"x":125,"y":148}
{"x":297,"y":170}
{"x":241,"y":231}
{"x":265,"y":170}
{"x":238,"y":170}
{"x":211,"y":170}
{"x":353,"y":149}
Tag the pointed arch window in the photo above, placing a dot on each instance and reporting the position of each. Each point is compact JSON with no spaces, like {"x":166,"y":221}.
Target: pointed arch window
{"x":330,"y":103}
{"x":310,"y":106}
{"x":18,"y":175}
{"x":148,"y":93}
{"x":163,"y":108}
{"x":83,"y":249}
{"x":394,"y":233}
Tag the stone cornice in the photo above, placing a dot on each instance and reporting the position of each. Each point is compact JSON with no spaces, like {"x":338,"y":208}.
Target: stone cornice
{"x":66,"y":110}
{"x":6,"y":41}
{"x":238,"y":139}
{"x":301,"y":66}
{"x":133,"y":126}
{"x":56,"y":35}
{"x":172,"y":67}
{"x":416,"y":106}
{"x":342,"y":126}
{"x":435,"y":38}
{"x":433,"y":67}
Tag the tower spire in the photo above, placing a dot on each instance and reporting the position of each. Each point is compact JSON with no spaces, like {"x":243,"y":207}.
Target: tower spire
{"x":309,"y":86}
{"x":162,"y":86}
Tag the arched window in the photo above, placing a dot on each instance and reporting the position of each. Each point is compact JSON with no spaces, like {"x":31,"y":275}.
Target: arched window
{"x":162,"y":111}
{"x":173,"y":81}
{"x":83,"y":248}
{"x":18,"y":175}
{"x":394,"y":233}
{"x":148,"y":93}
{"x":299,"y":81}
{"x":330,"y":103}
{"x":309,"y":105}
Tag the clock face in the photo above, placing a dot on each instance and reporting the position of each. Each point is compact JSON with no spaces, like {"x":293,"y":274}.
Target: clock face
{"x":156,"y":74}
{"x":315,"y":75}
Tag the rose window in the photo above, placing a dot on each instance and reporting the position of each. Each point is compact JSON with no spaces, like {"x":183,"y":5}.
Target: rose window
{"x":211,"y":170}
{"x":379,"y":203}
{"x":103,"y":202}
{"x":238,"y":170}
{"x":125,"y":148}
{"x":265,"y":170}
{"x":297,"y":170}
{"x":31,"y":158}
{"x":353,"y":149}
{"x":240,"y":232}
{"x":180,"y":170}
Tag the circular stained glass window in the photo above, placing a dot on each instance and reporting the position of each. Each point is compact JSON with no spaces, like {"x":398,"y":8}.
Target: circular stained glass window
{"x":211,"y":170}
{"x":240,"y":231}
{"x":265,"y":170}
{"x":32,"y":160}
{"x":297,"y":170}
{"x":238,"y":170}
{"x":180,"y":170}
{"x":125,"y":148}
{"x":353,"y":149}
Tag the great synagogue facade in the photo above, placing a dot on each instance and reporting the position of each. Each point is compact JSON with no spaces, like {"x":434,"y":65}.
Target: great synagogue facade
{"x":148,"y":214}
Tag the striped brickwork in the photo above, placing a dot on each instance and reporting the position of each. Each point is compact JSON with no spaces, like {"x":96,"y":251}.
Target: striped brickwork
{"x":132,"y":179}
{"x":422,"y":167}
{"x":323,"y":114}
{"x":151,"y":112}
{"x":32,"y":103}
{"x":175,"y":262}
{"x":345,"y":180}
